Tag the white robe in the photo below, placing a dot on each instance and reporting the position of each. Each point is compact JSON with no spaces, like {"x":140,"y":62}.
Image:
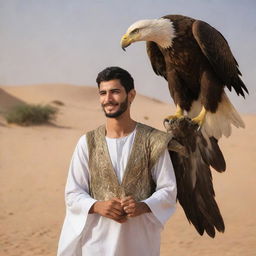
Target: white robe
{"x":91,"y":234}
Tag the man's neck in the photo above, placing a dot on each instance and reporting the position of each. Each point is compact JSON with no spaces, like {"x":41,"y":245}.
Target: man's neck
{"x":119,"y":127}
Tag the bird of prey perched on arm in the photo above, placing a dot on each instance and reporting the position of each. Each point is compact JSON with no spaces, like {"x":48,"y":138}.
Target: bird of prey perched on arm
{"x":198,"y":64}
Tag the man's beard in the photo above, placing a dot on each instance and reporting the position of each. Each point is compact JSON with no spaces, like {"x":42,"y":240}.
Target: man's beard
{"x":122,"y":108}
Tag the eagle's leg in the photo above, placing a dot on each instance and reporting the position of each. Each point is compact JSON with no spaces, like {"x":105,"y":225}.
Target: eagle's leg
{"x":200,"y":118}
{"x":169,"y":119}
{"x":178,"y":114}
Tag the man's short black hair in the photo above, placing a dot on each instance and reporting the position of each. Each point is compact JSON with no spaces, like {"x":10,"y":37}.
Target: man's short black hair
{"x":111,"y":73}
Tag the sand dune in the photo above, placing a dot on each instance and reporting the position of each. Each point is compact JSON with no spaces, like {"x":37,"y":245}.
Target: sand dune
{"x":34,"y":162}
{"x":7,"y":101}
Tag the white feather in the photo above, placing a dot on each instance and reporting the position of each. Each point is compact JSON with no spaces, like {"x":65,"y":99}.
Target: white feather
{"x":160,"y":31}
{"x":219,"y":123}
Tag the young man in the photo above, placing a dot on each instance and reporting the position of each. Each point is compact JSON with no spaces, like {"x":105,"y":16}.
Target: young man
{"x":121,"y":188}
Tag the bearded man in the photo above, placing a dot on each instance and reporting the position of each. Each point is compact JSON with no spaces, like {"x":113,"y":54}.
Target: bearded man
{"x":121,"y":187}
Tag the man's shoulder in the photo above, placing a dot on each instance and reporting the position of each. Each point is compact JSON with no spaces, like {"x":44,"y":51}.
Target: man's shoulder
{"x":155,"y":137}
{"x":95,"y":130}
{"x":156,"y":140}
{"x":151,"y":130}
{"x":144,"y":129}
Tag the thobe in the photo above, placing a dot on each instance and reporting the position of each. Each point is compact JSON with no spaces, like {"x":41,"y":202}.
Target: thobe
{"x":91,"y":234}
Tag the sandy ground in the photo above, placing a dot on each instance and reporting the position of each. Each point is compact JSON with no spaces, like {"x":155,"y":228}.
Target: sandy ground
{"x":34,"y":162}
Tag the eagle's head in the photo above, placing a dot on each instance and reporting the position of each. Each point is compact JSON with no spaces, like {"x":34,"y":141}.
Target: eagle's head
{"x":160,"y":31}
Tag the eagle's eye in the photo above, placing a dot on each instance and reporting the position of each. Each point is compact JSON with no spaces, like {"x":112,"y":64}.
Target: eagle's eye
{"x":136,"y":30}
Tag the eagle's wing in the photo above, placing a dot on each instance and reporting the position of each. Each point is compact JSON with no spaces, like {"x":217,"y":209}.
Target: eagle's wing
{"x":156,"y":58}
{"x":215,"y":47}
{"x":194,"y":179}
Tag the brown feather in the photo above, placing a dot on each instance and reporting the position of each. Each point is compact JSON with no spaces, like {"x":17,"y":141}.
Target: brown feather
{"x":217,"y":51}
{"x":196,"y":49}
{"x":193,"y":175}
{"x":156,"y":58}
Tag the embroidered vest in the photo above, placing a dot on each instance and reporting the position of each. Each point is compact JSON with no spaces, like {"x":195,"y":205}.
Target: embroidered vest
{"x":148,"y":145}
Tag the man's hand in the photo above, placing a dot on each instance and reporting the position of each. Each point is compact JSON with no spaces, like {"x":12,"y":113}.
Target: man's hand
{"x":134,"y":208}
{"x":111,"y":209}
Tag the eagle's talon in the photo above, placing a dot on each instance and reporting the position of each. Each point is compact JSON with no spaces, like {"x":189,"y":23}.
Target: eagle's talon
{"x":206,"y":66}
{"x":170,"y":120}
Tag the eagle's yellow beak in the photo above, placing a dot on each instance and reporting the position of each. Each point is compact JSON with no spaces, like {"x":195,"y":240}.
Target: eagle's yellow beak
{"x":125,"y":41}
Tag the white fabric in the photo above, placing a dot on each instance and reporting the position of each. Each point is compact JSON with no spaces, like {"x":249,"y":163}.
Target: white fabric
{"x":91,"y":234}
{"x":119,"y":151}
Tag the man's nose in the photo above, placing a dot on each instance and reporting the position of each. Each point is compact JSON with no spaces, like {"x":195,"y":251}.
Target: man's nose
{"x":108,"y":97}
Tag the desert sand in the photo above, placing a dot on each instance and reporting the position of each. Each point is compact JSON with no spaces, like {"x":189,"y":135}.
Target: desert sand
{"x":34,"y":162}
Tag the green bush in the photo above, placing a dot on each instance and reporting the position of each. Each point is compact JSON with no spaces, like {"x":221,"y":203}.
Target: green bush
{"x":26,"y":114}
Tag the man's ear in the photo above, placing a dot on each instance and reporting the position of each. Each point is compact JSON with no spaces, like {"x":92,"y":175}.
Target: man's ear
{"x":131,"y":95}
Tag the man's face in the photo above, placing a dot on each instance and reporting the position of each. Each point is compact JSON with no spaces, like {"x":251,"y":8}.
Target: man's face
{"x":113,"y":98}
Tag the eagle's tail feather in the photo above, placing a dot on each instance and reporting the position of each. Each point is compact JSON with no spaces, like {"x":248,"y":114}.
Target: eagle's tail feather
{"x":219,"y":123}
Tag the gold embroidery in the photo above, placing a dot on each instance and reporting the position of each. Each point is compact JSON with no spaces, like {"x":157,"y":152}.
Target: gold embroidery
{"x":148,"y":145}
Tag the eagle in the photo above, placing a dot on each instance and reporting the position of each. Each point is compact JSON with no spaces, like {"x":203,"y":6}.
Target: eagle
{"x":198,"y":64}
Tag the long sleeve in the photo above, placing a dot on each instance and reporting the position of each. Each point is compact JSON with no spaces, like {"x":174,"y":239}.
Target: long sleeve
{"x":77,"y":198}
{"x":82,"y":232}
{"x":162,"y":202}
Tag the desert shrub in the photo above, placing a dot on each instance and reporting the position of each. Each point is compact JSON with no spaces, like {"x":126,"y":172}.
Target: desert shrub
{"x":26,"y":114}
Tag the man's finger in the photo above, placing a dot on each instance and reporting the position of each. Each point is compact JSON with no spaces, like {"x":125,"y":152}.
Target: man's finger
{"x":131,"y":205}
{"x":116,"y":199}
{"x":116,"y":204}
{"x":126,"y":199}
{"x":117,"y":207}
{"x":129,"y":210}
{"x":114,"y":215}
{"x":127,"y":202}
{"x":117,"y":211}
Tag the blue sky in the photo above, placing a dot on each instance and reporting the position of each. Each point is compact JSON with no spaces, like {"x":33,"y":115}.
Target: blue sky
{"x":64,"y":41}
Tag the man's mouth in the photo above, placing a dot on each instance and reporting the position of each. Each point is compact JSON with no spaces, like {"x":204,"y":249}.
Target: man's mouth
{"x":110,"y":105}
